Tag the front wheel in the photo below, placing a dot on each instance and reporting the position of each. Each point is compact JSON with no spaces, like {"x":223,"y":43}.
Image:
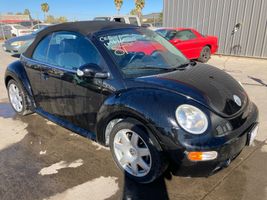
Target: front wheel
{"x":135,"y":152}
{"x":204,"y":54}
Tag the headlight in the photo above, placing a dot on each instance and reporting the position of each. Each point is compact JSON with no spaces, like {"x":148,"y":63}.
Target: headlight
{"x":19,"y":43}
{"x":191,"y":119}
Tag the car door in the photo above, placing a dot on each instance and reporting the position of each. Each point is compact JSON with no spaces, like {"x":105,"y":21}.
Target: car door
{"x":34,"y":67}
{"x":188,"y":43}
{"x":72,"y":98}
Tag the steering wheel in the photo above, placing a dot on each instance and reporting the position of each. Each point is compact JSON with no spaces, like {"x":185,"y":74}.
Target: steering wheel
{"x":135,"y":56}
{"x":156,"y":53}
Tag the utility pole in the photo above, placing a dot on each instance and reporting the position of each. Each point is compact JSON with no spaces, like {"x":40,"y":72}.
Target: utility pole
{"x":2,"y":28}
{"x":37,"y":17}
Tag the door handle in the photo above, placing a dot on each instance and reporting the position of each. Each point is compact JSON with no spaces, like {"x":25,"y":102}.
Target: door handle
{"x":44,"y":75}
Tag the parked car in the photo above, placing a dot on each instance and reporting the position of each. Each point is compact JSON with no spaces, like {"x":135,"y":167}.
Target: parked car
{"x":148,"y":107}
{"x":19,"y":30}
{"x":147,"y":25}
{"x":5,"y":31}
{"x":40,"y":26}
{"x":127,"y":19}
{"x":191,"y":43}
{"x":152,"y":26}
{"x":18,"y":45}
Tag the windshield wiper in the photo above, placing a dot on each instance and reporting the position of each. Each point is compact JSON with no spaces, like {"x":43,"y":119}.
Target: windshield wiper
{"x":183,"y":65}
{"x":149,"y":67}
{"x":161,"y":68}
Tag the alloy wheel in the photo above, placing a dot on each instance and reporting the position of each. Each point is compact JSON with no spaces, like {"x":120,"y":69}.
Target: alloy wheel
{"x":205,"y":54}
{"x":15,"y":97}
{"x":132,"y":153}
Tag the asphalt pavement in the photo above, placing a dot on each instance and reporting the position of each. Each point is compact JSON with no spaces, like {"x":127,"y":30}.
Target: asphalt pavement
{"x":41,"y":160}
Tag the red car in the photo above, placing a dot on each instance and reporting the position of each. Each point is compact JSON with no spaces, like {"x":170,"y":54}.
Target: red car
{"x":191,"y":43}
{"x":143,"y":47}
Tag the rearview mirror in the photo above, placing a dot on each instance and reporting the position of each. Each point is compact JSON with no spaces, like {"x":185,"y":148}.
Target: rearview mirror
{"x":92,"y":70}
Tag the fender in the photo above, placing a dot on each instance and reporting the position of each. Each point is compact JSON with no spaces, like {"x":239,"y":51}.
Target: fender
{"x":134,"y":104}
{"x":17,"y":72}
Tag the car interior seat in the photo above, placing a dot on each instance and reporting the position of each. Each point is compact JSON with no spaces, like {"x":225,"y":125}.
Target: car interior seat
{"x":69,"y":57}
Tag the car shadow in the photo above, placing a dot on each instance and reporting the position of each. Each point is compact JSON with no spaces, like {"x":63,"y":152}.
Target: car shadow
{"x":155,"y":190}
{"x":258,"y":81}
{"x":15,"y":55}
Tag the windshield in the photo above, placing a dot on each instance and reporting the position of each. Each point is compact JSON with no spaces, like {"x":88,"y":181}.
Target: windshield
{"x":19,"y":27}
{"x":39,"y":26}
{"x":40,"y":29}
{"x":168,"y":34}
{"x":140,"y":52}
{"x":102,"y":18}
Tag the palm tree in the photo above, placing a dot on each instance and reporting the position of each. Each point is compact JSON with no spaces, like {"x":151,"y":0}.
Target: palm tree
{"x":118,"y":4}
{"x":26,"y":12}
{"x":139,"y":5}
{"x":133,"y":12}
{"x":45,"y":9}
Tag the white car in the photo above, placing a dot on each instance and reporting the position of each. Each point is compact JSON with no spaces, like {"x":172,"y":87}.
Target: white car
{"x":19,"y":30}
{"x":127,"y":19}
{"x":39,"y":26}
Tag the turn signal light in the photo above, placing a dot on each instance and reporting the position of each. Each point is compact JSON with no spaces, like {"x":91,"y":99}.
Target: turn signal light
{"x":202,"y":156}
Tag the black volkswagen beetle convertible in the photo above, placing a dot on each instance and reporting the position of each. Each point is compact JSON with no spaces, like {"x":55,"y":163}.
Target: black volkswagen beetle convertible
{"x":128,"y":88}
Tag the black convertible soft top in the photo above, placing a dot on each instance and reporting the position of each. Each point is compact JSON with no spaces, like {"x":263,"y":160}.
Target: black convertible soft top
{"x":82,"y":27}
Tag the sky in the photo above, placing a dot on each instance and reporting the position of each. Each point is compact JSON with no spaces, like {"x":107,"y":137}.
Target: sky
{"x":76,"y":9}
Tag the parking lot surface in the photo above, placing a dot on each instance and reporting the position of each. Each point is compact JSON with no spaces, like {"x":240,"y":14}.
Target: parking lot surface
{"x":41,"y":160}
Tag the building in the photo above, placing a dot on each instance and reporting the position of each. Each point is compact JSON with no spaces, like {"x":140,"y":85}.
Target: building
{"x":14,"y":19}
{"x":218,"y":17}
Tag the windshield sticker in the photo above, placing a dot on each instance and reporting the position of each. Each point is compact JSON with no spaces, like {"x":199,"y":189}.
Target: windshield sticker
{"x":120,"y":43}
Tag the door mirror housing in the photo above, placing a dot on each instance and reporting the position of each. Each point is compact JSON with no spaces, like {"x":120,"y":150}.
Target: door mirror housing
{"x":175,"y":41}
{"x":92,"y":70}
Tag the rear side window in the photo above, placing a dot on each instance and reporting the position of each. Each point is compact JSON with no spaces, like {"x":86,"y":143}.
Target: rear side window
{"x":185,"y":35}
{"x":133,"y":20}
{"x":40,"y":51}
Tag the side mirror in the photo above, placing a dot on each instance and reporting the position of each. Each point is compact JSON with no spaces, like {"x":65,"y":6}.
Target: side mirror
{"x":175,"y":41}
{"x":92,"y":70}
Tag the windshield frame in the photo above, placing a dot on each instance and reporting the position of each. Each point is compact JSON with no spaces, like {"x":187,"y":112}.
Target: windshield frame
{"x":108,"y":52}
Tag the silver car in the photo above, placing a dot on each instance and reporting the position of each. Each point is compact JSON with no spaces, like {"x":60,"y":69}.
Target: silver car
{"x":18,"y":45}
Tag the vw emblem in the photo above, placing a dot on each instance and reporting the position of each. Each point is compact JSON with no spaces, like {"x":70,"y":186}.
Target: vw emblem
{"x":237,"y":100}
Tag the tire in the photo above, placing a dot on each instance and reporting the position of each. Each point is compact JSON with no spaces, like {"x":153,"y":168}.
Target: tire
{"x":154,"y":159}
{"x":204,"y":54}
{"x":23,"y":108}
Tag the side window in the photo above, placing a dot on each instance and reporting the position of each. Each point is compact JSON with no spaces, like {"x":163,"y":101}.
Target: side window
{"x":185,"y":35}
{"x":70,"y":51}
{"x":133,"y":20}
{"x":40,"y":51}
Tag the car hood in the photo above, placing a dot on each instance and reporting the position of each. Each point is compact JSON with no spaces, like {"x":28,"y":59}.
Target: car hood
{"x":205,"y":84}
{"x":21,"y":38}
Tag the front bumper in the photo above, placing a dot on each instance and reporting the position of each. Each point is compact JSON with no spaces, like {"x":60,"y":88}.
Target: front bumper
{"x":9,"y":48}
{"x":227,"y":151}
